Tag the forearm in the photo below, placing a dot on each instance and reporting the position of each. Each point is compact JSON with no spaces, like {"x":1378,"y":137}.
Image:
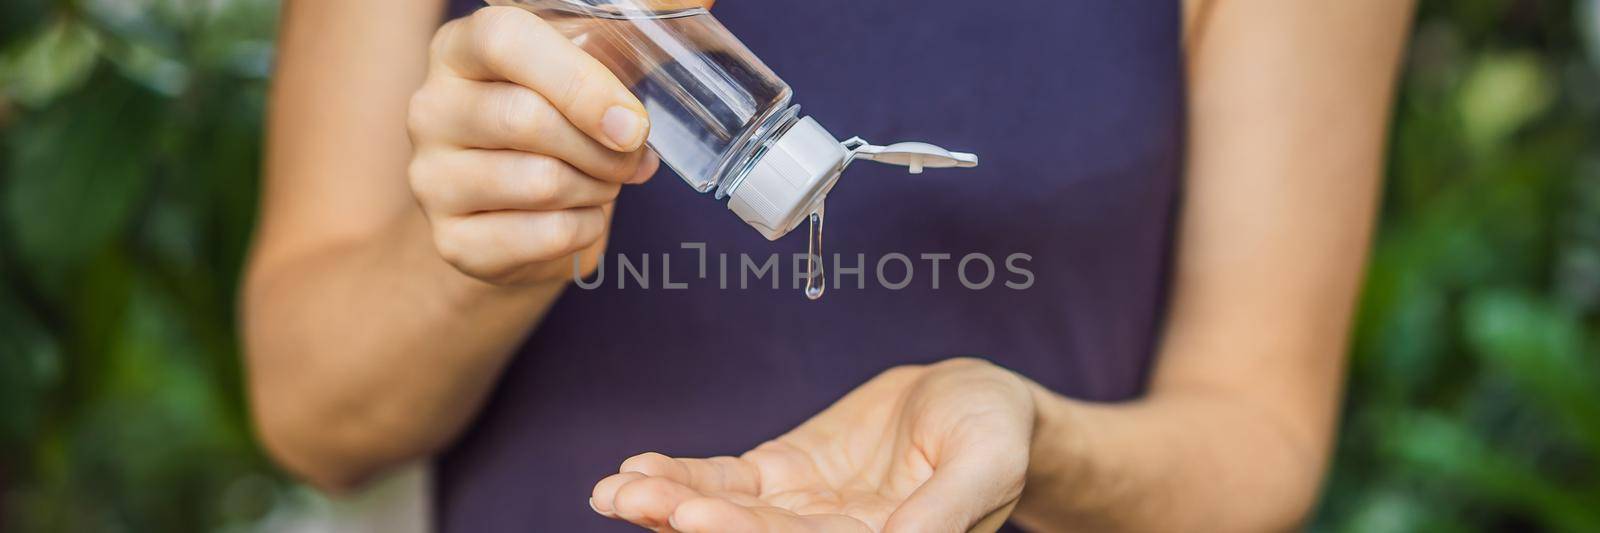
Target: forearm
{"x":370,"y":352}
{"x":1190,"y":461}
{"x":1288,"y":106}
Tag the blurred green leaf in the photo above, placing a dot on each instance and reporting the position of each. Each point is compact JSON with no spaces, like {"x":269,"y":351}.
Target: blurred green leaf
{"x":56,"y":60}
{"x":150,"y":68}
{"x":1502,"y":93}
{"x":75,"y":179}
{"x":1452,"y":454}
{"x":1543,"y":349}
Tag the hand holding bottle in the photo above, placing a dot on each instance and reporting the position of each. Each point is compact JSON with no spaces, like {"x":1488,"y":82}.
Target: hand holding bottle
{"x":521,"y":143}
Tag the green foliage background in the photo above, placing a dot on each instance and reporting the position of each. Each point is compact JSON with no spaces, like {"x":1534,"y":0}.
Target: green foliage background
{"x":129,"y":143}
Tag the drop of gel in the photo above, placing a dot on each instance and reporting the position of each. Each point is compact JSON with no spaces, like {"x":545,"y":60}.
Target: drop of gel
{"x":817,"y":282}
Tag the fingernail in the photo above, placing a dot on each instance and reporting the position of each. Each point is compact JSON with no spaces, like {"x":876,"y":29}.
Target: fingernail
{"x":672,"y":520}
{"x":623,"y":126}
{"x":596,"y":509}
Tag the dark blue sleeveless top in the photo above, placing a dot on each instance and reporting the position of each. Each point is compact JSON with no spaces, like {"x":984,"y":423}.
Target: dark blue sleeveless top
{"x":1076,"y":108}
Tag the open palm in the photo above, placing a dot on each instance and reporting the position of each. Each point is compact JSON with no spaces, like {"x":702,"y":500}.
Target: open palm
{"x":930,"y":448}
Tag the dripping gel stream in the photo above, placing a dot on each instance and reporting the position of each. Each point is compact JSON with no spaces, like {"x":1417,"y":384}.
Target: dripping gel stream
{"x":817,"y":282}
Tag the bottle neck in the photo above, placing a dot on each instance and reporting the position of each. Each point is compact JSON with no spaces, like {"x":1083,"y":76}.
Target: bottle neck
{"x":747,"y":152}
{"x":790,"y":179}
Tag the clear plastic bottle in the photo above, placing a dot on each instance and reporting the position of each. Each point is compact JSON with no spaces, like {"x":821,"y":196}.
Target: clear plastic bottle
{"x":719,"y":117}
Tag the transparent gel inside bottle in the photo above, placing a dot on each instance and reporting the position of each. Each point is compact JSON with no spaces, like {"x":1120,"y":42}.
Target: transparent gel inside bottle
{"x":711,"y":101}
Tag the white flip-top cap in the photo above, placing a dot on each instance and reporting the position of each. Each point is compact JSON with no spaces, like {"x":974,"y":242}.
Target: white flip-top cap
{"x":790,"y":180}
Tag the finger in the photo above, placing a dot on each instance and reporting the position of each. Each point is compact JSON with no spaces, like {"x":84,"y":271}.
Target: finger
{"x":498,"y":244}
{"x":510,"y":44}
{"x":459,"y":182}
{"x":506,"y":116}
{"x":716,"y":515}
{"x":649,"y":501}
{"x":786,"y":467}
{"x":713,"y":515}
{"x":605,"y":491}
{"x":964,"y":493}
{"x":716,"y":474}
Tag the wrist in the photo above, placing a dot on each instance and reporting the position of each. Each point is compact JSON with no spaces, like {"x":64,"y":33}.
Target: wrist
{"x":1059,"y":445}
{"x":1062,"y":463}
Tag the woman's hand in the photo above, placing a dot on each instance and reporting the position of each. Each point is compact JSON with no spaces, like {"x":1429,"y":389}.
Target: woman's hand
{"x":939,"y":448}
{"x":521,"y":143}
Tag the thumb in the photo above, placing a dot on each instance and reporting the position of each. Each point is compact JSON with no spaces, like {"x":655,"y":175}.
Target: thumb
{"x":972,"y":493}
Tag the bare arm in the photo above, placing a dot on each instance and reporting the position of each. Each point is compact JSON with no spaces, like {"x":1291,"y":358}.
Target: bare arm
{"x":1289,"y":102}
{"x":376,"y":317}
{"x":349,"y":312}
